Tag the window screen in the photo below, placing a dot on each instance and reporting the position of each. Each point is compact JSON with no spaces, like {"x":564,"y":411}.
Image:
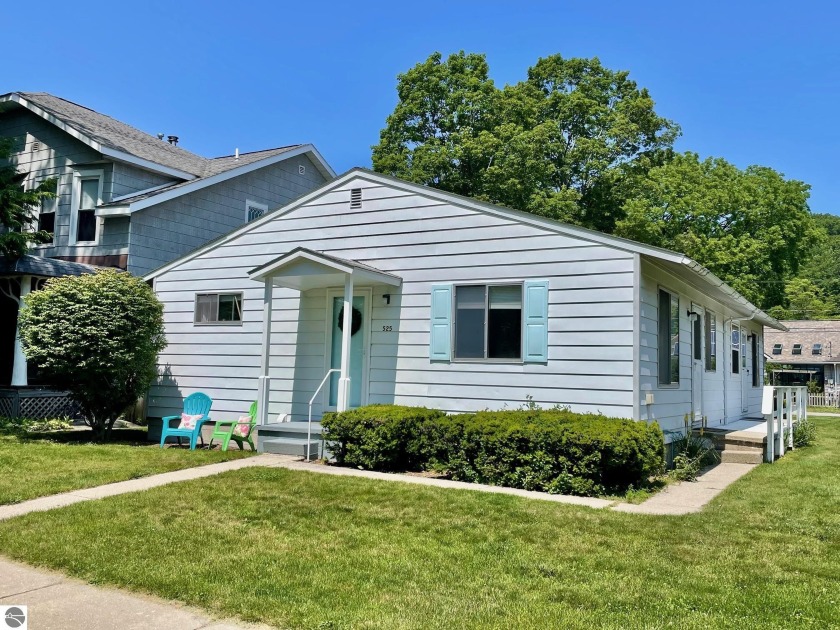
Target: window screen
{"x":218,"y":308}
{"x":669,"y":338}
{"x":88,"y":200}
{"x":488,"y":322}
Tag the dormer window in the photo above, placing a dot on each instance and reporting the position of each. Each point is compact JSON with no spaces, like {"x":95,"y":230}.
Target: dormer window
{"x":777,"y":348}
{"x":797,"y":348}
{"x":816,"y":349}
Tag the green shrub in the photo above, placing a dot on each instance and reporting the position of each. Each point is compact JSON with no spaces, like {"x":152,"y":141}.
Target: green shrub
{"x":26,"y":425}
{"x":379,"y":437}
{"x":804,"y":433}
{"x":553,"y":451}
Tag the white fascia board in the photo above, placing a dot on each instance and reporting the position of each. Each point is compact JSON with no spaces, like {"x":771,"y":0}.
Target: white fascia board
{"x":114,"y":211}
{"x":226,"y":175}
{"x":140,"y":192}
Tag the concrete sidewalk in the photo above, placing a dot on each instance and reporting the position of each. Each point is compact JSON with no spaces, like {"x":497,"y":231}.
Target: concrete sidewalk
{"x":687,"y":497}
{"x":56,"y":602}
{"x":135,"y":485}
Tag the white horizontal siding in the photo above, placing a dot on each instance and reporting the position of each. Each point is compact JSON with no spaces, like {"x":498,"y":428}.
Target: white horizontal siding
{"x":672,"y":402}
{"x":590,"y":335}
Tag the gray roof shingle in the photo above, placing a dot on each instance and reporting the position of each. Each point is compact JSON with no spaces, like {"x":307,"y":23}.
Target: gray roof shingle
{"x":807,"y":333}
{"x":29,"y":265}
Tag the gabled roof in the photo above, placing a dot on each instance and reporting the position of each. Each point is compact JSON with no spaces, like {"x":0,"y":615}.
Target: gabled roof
{"x":807,"y":333}
{"x":123,"y":142}
{"x":305,"y":269}
{"x":675,"y":261}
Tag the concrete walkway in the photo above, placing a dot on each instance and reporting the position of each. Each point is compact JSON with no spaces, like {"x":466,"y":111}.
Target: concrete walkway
{"x":56,"y":602}
{"x":134,"y":485}
{"x":687,"y":497}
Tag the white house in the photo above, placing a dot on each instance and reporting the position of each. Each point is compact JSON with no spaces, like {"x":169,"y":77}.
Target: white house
{"x":456,"y":304}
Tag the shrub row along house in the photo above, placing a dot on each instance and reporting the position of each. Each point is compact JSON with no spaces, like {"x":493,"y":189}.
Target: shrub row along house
{"x":398,"y":293}
{"x":129,"y":199}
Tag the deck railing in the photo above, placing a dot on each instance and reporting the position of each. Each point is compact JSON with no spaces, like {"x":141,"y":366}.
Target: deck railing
{"x":311,"y":401}
{"x":782,"y":407}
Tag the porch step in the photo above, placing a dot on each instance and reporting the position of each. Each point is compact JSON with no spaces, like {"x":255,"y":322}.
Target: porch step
{"x":291,"y":446}
{"x":745,"y":456}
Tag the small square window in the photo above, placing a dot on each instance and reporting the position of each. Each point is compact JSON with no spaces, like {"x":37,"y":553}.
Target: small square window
{"x":777,"y":348}
{"x":797,"y":348}
{"x":218,"y":308}
{"x":816,"y":349}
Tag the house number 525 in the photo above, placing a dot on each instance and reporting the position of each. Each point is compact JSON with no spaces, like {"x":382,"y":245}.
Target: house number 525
{"x":387,"y":328}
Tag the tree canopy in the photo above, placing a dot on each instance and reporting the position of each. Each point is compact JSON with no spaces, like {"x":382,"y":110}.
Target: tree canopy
{"x":560,"y":143}
{"x":751,"y":227}
{"x":19,"y":207}
{"x":97,"y":336}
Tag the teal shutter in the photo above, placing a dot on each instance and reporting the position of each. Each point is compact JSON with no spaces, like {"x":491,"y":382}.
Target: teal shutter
{"x":536,"y":321}
{"x":440,"y":342}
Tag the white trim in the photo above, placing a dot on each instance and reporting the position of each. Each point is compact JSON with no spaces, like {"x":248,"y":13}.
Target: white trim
{"x":363,"y":274}
{"x":332,"y":293}
{"x":254,"y":204}
{"x":231,"y":173}
{"x":75,"y":199}
{"x":145,"y":191}
{"x":614,"y":242}
{"x":93,"y":144}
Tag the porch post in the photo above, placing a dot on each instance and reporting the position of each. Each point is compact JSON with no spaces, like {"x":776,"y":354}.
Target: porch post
{"x":265,"y":354}
{"x":344,"y":380}
{"x":19,"y":372}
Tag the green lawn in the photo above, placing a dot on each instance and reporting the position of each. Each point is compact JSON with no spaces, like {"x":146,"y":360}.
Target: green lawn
{"x":819,"y":410}
{"x":40,"y":465}
{"x":313,"y":551}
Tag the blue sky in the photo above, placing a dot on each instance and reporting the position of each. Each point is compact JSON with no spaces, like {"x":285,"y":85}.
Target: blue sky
{"x":753,"y":82}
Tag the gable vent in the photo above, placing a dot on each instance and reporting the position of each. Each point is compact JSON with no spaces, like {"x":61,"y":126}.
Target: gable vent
{"x":36,"y":146}
{"x":356,"y":198}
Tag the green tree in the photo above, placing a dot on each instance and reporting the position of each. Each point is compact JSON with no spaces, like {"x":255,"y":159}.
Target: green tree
{"x":19,"y":207}
{"x":98,"y":336}
{"x":751,"y":227}
{"x":562,"y":143}
{"x":823,"y":265}
{"x":804,"y":299}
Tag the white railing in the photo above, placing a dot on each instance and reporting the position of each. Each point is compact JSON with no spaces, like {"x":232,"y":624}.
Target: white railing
{"x":782,"y":407}
{"x":312,"y":400}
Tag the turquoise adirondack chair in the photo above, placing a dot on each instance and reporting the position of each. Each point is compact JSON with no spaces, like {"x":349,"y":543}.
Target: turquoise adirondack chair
{"x":224,"y":431}
{"x":194,"y":405}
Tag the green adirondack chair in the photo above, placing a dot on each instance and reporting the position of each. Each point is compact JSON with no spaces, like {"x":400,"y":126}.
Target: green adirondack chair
{"x":225,"y":431}
{"x":194,"y":404}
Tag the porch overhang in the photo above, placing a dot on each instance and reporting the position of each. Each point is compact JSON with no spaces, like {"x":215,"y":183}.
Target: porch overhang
{"x":304,"y":269}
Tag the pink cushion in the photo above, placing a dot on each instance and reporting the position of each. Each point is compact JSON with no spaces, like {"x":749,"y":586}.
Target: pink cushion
{"x":243,"y":427}
{"x":188,"y":421}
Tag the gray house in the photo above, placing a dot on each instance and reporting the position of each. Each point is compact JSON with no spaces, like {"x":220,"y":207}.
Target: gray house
{"x":378,"y":290}
{"x":131,"y":200}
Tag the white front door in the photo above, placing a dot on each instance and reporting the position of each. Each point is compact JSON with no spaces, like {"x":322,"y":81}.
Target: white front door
{"x":697,"y":369}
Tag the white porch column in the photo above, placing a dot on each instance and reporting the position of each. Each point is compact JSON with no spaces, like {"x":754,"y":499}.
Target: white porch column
{"x":265,"y":354}
{"x":344,"y":380}
{"x":19,"y":372}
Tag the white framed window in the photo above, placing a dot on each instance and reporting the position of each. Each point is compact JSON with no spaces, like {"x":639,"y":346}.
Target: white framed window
{"x":711,"y":342}
{"x":87,"y":194}
{"x":218,"y":309}
{"x":488,"y":322}
{"x":669,"y":338}
{"x":254,"y":210}
{"x":48,"y":211}
{"x":736,"y":349}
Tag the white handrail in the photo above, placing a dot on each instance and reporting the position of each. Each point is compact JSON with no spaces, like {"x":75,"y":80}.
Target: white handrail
{"x":312,"y":400}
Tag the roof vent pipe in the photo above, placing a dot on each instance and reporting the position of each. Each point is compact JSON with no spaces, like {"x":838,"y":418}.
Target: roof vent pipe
{"x":237,"y":153}
{"x":160,"y":136}
{"x":173,"y":140}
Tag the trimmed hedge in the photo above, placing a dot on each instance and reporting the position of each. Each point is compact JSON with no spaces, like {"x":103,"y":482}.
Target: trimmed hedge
{"x":379,"y":437}
{"x":551,"y":451}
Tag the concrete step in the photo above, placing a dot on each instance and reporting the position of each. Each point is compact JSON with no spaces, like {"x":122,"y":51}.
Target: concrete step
{"x":291,"y":446}
{"x":734,"y":456}
{"x":739,"y":446}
